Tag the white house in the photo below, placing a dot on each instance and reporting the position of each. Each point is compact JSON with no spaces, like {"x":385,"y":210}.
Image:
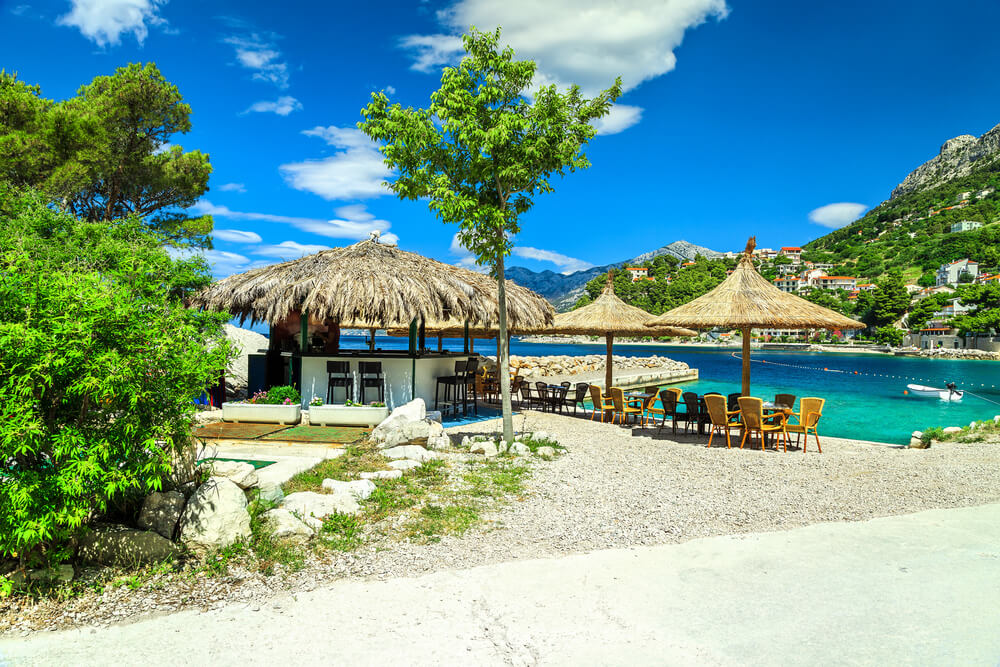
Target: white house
{"x":949,"y":274}
{"x":637,"y":272}
{"x":792,"y":253}
{"x":837,"y":282}
{"x":788,"y":283}
{"x":965,"y":226}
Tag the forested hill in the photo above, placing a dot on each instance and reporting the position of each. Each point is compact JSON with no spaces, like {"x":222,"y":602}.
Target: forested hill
{"x":912,"y":232}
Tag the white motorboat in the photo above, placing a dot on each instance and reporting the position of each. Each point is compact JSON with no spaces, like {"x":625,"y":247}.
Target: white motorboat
{"x":949,"y":393}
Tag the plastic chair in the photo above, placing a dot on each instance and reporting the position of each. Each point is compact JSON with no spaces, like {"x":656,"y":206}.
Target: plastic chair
{"x":602,"y":403}
{"x":720,"y":418}
{"x":752,"y":412}
{"x":623,"y":409}
{"x":810,"y":410}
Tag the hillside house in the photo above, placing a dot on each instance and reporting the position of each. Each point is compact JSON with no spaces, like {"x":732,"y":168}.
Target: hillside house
{"x":837,"y":282}
{"x":788,"y":283}
{"x":637,"y":272}
{"x":952,"y":273}
{"x":984,"y":193}
{"x":765,"y":253}
{"x":866,"y":287}
{"x":965,"y":226}
{"x":963,"y":195}
{"x":792,"y":253}
{"x":985,"y":279}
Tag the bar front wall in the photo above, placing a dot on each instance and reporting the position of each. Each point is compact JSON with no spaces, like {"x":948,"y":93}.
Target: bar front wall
{"x":398,"y":373}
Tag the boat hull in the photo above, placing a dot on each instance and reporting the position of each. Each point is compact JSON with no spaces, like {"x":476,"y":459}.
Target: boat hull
{"x":934,"y":392}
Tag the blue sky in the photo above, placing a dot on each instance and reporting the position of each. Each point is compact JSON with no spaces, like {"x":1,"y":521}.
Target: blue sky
{"x":740,"y":116}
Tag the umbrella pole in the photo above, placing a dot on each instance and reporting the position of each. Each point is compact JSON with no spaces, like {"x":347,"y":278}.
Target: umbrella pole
{"x":610,"y":338}
{"x":746,"y":361}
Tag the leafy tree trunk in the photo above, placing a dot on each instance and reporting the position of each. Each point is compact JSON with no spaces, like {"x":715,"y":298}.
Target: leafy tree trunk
{"x":503,"y":362}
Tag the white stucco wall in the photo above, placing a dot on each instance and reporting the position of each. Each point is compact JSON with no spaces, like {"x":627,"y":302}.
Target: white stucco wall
{"x":398,"y":378}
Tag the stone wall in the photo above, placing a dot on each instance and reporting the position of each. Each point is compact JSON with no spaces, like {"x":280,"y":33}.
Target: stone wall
{"x":530,"y":367}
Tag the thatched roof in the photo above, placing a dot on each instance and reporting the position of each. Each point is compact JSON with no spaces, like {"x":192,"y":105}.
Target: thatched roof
{"x":746,"y":299}
{"x":608,"y":314}
{"x":371,"y":282}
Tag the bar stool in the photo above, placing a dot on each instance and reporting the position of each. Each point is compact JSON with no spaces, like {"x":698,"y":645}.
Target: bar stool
{"x":450,"y":382}
{"x":471,"y":369}
{"x":338,"y":374}
{"x":371,"y":376}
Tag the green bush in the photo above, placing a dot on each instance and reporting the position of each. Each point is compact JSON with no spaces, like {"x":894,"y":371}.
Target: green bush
{"x":283,"y":394}
{"x":99,"y":363}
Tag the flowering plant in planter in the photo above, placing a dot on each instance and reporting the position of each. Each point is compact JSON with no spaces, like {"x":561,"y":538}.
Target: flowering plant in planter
{"x":314,"y":401}
{"x":282,"y":395}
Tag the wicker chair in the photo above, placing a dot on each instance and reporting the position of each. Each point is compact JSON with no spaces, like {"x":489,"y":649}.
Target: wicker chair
{"x":721,"y":418}
{"x":670,"y":398}
{"x":542,"y":391}
{"x":810,"y":410}
{"x":692,"y":410}
{"x":752,"y":412}
{"x":788,"y":400}
{"x":577,"y":398}
{"x":602,"y":403}
{"x":622,"y":408}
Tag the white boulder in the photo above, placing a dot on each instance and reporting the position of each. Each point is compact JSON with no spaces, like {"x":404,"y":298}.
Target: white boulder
{"x":306,"y":504}
{"x":359,"y":488}
{"x":161,"y":511}
{"x":486,"y":448}
{"x":241,"y":473}
{"x":285,"y":525}
{"x":271,"y":492}
{"x":546,"y":451}
{"x":404,"y":464}
{"x":951,"y":429}
{"x":413,"y":452}
{"x":215,"y":517}
{"x":441,"y":441}
{"x":518,"y":449}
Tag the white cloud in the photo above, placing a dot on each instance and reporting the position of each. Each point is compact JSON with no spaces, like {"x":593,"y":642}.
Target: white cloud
{"x":346,"y":227}
{"x":620,"y":117}
{"x":566,"y":263}
{"x":355,"y":172}
{"x":222,"y":263}
{"x":19,"y":10}
{"x":837,"y":215}
{"x":260,"y":55}
{"x":282,"y":106}
{"x":390,"y":90}
{"x":289,"y":250}
{"x":233,"y":187}
{"x":464,"y":258}
{"x":236,"y":236}
{"x":586,"y":42}
{"x":105,"y":21}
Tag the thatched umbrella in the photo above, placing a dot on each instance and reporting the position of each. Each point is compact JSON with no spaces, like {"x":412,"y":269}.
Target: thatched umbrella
{"x":374,"y":283}
{"x":609,"y":316}
{"x":746,"y":300}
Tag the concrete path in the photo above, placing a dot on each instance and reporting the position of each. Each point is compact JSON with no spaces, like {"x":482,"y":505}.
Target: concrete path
{"x":918,"y":589}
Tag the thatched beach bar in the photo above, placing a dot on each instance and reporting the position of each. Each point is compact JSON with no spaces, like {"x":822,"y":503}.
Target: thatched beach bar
{"x":373,"y":286}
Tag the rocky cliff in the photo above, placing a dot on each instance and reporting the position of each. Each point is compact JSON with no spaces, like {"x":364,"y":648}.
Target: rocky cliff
{"x":957,"y":158}
{"x":564,"y":290}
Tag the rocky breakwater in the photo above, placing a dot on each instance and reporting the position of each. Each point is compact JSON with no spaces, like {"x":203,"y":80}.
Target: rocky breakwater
{"x":967,"y":353}
{"x":538,"y":367}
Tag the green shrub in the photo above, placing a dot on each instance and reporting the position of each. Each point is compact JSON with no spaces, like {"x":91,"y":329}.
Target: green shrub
{"x":99,"y":363}
{"x":284,"y":394}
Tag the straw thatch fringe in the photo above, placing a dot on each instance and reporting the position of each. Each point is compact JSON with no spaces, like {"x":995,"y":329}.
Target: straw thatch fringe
{"x":375,"y":283}
{"x":746,"y":299}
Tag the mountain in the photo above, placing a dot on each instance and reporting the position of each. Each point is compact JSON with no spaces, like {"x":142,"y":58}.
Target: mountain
{"x":563,"y":290}
{"x":958,"y":157}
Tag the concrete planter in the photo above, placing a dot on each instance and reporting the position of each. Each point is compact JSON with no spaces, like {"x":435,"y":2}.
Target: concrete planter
{"x":261,"y":413}
{"x":343,"y":415}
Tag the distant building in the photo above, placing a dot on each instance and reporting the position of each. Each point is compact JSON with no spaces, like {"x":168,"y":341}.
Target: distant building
{"x":984,"y":193}
{"x":792,"y":253}
{"x":637,"y":272}
{"x":954,"y":307}
{"x":837,"y":282}
{"x":866,"y":287}
{"x":965,"y":226}
{"x":687,"y":264}
{"x":950,"y":274}
{"x":765,"y":253}
{"x":788,"y":283}
{"x":963,"y":195}
{"x":988,"y":279}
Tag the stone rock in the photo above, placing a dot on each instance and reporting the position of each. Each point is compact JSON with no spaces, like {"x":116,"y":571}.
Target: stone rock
{"x":917,"y":443}
{"x":540,"y":435}
{"x":271,"y":492}
{"x":215,"y":517}
{"x":383,"y":474}
{"x":546,"y":451}
{"x":359,"y":488}
{"x":184,"y":464}
{"x":242,"y":474}
{"x":502,"y":446}
{"x":466,"y":441}
{"x":161,"y":511}
{"x":208,"y":416}
{"x":486,"y":448}
{"x":404,"y":464}
{"x":434,"y":415}
{"x":951,"y":429}
{"x":415,"y":410}
{"x":309,"y":504}
{"x":118,"y":545}
{"x":518,"y":449}
{"x":414,"y":452}
{"x":285,"y":525}
{"x":436,"y":442}
{"x":917,"y":434}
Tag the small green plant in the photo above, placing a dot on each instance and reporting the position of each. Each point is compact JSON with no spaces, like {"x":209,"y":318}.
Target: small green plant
{"x":341,"y":532}
{"x":315,"y":401}
{"x":533,"y":444}
{"x":935,"y":433}
{"x":434,"y":520}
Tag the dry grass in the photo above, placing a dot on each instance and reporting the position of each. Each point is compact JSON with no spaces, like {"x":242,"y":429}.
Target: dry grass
{"x":374,"y":284}
{"x":746,"y":299}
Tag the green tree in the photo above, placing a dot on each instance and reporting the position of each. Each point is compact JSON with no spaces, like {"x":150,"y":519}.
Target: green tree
{"x":889,"y":335}
{"x":107,"y":153}
{"x":886,"y":303}
{"x":483,"y":149}
{"x":99,"y":363}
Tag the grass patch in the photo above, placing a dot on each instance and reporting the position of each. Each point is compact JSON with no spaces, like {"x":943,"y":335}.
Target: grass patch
{"x":434,"y":520}
{"x":495,"y":479}
{"x":533,"y":444}
{"x":975,"y":432}
{"x":341,"y":532}
{"x":356,"y":458}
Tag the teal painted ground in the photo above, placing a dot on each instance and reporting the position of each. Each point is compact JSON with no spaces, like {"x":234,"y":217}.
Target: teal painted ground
{"x":867,"y":406}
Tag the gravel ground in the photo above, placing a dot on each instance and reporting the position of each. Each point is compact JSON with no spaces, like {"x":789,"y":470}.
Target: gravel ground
{"x":616,"y":487}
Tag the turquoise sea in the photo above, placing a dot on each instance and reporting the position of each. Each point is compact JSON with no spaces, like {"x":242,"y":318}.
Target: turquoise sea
{"x":863,"y":392}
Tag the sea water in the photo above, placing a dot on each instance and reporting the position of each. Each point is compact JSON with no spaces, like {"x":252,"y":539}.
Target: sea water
{"x":863,"y":392}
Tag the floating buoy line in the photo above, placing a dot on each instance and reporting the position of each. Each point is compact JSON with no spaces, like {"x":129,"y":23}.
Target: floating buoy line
{"x":738,"y":355}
